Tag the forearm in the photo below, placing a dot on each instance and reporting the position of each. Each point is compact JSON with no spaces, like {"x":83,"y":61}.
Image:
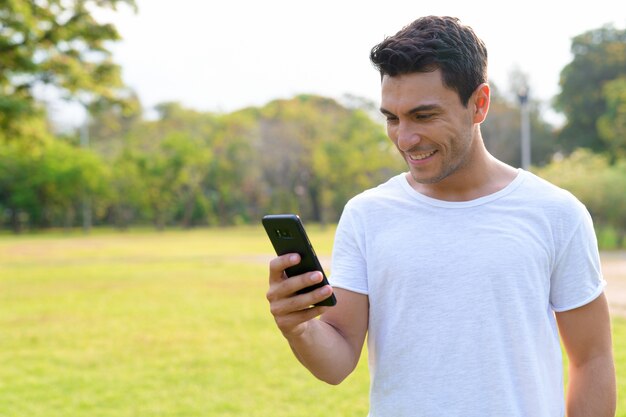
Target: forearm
{"x":591,"y":389}
{"x":324,"y":352}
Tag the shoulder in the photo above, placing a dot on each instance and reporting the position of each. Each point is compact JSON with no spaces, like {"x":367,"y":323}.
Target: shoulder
{"x":562,"y":211}
{"x":544,"y":194}
{"x":391,"y":190}
{"x":543,"y":187}
{"x":376,"y":204}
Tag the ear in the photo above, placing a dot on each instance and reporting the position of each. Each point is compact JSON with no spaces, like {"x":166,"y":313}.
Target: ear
{"x":480,"y":100}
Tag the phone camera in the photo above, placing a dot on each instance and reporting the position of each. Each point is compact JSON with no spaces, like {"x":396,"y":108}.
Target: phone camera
{"x":284,"y":234}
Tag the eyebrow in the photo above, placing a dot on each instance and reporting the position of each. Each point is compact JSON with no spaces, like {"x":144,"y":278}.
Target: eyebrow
{"x":421,"y":108}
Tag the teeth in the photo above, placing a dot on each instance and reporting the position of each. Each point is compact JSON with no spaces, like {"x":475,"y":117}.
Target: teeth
{"x":421,"y":156}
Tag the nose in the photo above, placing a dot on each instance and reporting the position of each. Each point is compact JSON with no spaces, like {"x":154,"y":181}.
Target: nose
{"x":407,"y":136}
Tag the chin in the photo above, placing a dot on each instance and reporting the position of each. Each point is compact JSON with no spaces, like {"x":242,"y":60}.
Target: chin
{"x":421,"y":178}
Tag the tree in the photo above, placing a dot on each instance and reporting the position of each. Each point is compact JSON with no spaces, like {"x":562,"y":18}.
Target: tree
{"x":233,"y":184}
{"x":187,"y":167}
{"x":43,"y":184}
{"x":163,"y":159}
{"x":316,"y":154}
{"x":58,"y":43}
{"x":612,"y":124}
{"x":128,"y":197}
{"x":111,"y":122}
{"x":599,"y":57}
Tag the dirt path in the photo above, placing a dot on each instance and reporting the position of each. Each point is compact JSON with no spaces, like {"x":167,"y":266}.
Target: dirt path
{"x":614,"y":270}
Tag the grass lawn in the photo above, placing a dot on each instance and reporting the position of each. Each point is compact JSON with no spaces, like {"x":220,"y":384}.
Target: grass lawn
{"x":158,"y":324}
{"x":150,"y":324}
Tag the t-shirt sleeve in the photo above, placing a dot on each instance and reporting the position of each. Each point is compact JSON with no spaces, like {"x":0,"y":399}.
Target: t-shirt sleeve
{"x":577,"y":278}
{"x":348,"y":268}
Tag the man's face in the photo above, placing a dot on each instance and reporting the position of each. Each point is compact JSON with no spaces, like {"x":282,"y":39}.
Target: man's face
{"x":428,"y":124}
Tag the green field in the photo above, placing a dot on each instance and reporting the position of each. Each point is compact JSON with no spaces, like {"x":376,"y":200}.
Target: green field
{"x":151,"y":324}
{"x":158,"y":324}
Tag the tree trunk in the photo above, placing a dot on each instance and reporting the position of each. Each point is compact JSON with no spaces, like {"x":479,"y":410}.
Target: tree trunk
{"x":16,"y":225}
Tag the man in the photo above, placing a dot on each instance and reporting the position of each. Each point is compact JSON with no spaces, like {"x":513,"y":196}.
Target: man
{"x":464,"y":271}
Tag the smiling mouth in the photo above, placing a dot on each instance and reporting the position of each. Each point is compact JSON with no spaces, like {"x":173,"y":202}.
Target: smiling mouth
{"x":421,"y":156}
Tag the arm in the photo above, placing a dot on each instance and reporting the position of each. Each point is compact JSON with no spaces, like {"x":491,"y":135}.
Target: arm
{"x":329,"y":347}
{"x":586,"y":336}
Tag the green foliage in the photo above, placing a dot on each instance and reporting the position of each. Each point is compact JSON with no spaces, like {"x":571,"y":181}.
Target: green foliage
{"x":321,"y":153}
{"x":126,"y":187}
{"x":58,"y":43}
{"x":110,"y":123}
{"x":187,"y":167}
{"x":307,"y":155}
{"x":612,"y":124}
{"x":43,"y":183}
{"x":597,"y":183}
{"x":599,"y":58}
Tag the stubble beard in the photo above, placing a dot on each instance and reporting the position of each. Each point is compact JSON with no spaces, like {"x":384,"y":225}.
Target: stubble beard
{"x":459,"y":158}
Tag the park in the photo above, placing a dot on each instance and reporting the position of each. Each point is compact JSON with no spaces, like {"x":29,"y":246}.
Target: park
{"x":171,"y":323}
{"x":133,"y":265}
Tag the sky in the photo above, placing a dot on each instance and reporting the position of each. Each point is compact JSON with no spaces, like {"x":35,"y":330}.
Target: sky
{"x":227,"y":55}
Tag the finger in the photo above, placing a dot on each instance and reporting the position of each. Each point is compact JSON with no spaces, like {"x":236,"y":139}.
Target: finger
{"x":280,"y":263}
{"x":282,"y":306}
{"x":288,"y":287}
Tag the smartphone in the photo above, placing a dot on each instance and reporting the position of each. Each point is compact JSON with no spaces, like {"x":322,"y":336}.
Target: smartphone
{"x":287,"y":234}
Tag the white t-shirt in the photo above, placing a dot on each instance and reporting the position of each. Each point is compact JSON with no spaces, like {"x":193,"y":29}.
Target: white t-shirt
{"x":462,"y":295}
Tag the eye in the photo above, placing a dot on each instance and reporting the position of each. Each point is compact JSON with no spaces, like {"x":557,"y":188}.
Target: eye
{"x":423,"y":116}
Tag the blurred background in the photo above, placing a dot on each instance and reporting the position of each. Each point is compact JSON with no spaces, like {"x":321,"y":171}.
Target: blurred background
{"x":142,"y":141}
{"x":122,"y":113}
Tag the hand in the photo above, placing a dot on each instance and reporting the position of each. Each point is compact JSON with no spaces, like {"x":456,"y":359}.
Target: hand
{"x":293,"y":311}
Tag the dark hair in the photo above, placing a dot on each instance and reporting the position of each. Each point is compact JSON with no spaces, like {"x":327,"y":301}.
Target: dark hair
{"x":432,"y":43}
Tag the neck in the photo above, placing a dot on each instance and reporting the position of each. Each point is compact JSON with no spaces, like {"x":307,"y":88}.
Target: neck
{"x":480,"y":175}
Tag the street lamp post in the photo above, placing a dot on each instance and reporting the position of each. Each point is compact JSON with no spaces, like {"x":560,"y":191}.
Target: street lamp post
{"x":522,"y":95}
{"x":86,"y":204}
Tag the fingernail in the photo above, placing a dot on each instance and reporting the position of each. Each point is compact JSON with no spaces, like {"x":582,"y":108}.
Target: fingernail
{"x":325,"y":290}
{"x":293,"y":258}
{"x":315,"y":276}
